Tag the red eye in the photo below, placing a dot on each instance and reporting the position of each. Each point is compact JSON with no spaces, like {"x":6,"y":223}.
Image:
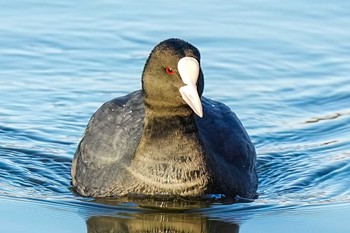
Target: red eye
{"x":169,"y":70}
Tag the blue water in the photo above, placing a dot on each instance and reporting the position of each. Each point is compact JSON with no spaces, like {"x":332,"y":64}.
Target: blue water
{"x":283,"y":67}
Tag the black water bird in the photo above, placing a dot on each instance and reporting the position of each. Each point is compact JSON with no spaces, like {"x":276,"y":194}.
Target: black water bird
{"x":166,"y":139}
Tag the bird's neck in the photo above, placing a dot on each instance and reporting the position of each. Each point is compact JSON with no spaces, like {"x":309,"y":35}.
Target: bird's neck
{"x":158,"y":109}
{"x":163,"y":125}
{"x":166,"y":137}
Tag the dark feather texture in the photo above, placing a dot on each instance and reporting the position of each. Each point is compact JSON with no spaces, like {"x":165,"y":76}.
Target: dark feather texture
{"x":151,"y":143}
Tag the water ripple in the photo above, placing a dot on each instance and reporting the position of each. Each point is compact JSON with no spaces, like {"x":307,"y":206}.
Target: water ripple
{"x":283,"y":70}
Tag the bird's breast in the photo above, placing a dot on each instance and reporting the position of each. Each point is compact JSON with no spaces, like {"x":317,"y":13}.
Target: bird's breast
{"x":172,"y":164}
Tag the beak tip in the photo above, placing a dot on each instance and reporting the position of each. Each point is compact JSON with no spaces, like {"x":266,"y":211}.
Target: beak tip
{"x":190,"y":96}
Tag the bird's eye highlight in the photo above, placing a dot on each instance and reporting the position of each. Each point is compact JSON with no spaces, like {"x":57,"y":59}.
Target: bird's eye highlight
{"x":169,"y":70}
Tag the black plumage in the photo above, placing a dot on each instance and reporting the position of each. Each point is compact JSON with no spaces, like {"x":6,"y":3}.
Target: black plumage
{"x":150,"y":142}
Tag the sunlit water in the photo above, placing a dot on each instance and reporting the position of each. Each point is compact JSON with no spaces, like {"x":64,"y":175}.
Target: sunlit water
{"x":282,"y":67}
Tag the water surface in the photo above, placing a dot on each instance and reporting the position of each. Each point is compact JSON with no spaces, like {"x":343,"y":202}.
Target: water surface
{"x":282,"y":67}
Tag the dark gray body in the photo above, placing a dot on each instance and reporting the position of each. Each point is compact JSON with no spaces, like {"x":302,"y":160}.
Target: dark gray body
{"x":102,"y":165}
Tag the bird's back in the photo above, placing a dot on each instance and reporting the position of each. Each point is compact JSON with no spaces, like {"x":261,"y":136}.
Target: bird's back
{"x":230,"y":153}
{"x":108,"y":146}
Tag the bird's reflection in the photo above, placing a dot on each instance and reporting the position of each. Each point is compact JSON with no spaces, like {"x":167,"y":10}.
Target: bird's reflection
{"x":168,"y":216}
{"x":158,"y":222}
